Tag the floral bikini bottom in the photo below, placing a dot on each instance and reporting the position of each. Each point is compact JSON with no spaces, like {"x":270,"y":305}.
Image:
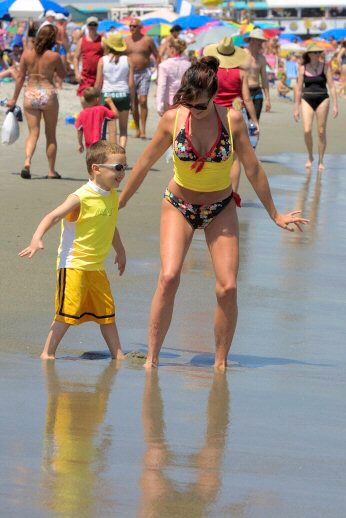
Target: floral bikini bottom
{"x":199,"y":216}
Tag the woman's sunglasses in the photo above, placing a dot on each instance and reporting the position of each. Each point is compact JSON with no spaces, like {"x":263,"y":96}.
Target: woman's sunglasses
{"x":199,"y":107}
{"x":114,"y":167}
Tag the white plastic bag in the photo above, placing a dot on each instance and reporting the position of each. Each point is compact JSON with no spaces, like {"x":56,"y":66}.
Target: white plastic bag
{"x":10,"y":129}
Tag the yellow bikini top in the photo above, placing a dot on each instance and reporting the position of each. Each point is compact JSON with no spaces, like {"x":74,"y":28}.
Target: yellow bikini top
{"x":195,"y":172}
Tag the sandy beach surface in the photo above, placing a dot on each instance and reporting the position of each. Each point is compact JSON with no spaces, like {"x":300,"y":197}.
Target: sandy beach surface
{"x":84,"y":436}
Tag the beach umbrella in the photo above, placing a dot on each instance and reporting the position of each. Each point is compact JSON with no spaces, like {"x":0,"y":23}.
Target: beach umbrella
{"x":105,"y":25}
{"x":213,"y":35}
{"x":338,"y":34}
{"x":193,"y":21}
{"x":289,"y":46}
{"x":154,"y":21}
{"x":33,"y":9}
{"x":322,"y":44}
{"x":290,"y":37}
{"x":24,"y":9}
{"x":161,"y":29}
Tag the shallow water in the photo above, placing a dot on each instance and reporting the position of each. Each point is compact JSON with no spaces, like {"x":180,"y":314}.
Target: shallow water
{"x":90,"y":438}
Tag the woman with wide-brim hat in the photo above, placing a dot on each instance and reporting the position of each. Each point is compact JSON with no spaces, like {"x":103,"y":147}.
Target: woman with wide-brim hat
{"x":233,"y":90}
{"x":115,"y":79}
{"x":312,"y":93}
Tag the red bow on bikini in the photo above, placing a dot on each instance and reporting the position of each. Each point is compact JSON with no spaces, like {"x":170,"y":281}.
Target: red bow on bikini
{"x":199,"y":164}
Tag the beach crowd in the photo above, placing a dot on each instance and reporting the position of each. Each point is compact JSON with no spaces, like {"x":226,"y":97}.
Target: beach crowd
{"x":210,"y":103}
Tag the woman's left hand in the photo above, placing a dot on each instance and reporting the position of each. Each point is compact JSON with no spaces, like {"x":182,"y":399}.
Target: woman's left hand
{"x":284,"y":220}
{"x":335,"y":112}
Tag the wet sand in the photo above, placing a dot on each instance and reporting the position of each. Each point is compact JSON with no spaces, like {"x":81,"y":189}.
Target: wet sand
{"x":92,"y":438}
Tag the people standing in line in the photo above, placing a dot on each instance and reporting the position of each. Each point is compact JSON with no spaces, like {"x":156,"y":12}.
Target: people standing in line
{"x":116,"y":81}
{"x":257,"y":68}
{"x":312,"y":95}
{"x":89,"y":50}
{"x":139,"y":50}
{"x":199,"y":196}
{"x":164,"y":51}
{"x":40,"y":64}
{"x":88,"y":230}
{"x":170,"y":72}
{"x":233,"y":88}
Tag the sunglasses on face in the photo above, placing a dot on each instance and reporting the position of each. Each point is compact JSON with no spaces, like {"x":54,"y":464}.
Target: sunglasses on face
{"x":133,"y":26}
{"x":92,"y":24}
{"x":199,"y":107}
{"x":114,"y":167}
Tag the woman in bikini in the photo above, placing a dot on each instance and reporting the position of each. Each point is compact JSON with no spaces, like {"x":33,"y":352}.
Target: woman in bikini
{"x":199,"y":196}
{"x":40,"y":98}
{"x":314,"y":76}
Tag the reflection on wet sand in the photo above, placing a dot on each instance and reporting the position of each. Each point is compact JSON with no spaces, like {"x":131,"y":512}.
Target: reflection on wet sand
{"x":161,"y":496}
{"x":75,"y":448}
{"x":310,"y":211}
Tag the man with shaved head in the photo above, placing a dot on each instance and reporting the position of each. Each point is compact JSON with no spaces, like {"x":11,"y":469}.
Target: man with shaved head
{"x":139,"y":50}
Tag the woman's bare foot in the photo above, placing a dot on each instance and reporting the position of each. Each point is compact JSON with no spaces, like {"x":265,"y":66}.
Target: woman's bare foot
{"x":321,"y":167}
{"x":151,"y":364}
{"x":308,"y":163}
{"x":120,"y":355}
{"x":45,"y":356}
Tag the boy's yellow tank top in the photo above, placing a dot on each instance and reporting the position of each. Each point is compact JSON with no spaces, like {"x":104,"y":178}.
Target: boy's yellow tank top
{"x":85,"y":243}
{"x":213,"y":176}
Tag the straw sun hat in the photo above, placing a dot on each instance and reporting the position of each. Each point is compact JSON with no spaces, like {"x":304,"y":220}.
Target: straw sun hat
{"x":115,"y":41}
{"x":226,"y":52}
{"x":256,"y":34}
{"x":313,"y":48}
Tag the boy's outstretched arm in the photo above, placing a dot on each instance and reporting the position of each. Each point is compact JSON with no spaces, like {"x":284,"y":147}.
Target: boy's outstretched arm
{"x":120,"y":257}
{"x":71,"y":204}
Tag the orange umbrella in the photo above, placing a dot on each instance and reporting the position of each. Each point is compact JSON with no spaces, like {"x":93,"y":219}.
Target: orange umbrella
{"x":323,"y":45}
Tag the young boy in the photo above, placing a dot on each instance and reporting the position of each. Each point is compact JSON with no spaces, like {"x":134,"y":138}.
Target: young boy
{"x":284,"y":88}
{"x":92,"y":120}
{"x":88,"y":226}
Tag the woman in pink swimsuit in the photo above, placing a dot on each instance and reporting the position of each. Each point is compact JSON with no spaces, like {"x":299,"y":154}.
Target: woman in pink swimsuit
{"x":40,"y":64}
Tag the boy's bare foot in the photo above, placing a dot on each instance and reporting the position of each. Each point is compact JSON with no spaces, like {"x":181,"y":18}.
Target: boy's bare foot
{"x":309,"y":163}
{"x":45,"y":356}
{"x":138,"y":134}
{"x":321,"y":167}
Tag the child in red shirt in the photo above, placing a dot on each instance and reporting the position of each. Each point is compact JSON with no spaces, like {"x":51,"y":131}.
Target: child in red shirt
{"x":92,"y":120}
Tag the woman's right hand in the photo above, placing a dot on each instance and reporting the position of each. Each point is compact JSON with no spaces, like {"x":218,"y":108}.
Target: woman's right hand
{"x":296,"y":115}
{"x":11,"y":103}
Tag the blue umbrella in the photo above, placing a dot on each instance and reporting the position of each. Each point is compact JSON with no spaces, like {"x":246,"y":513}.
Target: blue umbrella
{"x":338,"y":34}
{"x":47,"y":5}
{"x":154,"y":21}
{"x":105,"y":25}
{"x":290,"y":37}
{"x":193,"y":21}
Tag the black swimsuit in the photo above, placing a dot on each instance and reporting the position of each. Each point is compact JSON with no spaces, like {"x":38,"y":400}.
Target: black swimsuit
{"x":315,"y":89}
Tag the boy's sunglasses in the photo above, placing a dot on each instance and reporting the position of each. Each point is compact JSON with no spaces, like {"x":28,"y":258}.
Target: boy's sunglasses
{"x":114,"y":167}
{"x":199,"y":107}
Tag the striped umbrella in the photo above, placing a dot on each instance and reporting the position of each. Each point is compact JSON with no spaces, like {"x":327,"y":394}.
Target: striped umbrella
{"x":322,"y":44}
{"x":160,"y":29}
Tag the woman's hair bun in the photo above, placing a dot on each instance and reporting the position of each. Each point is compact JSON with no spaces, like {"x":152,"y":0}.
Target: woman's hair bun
{"x":210,"y":62}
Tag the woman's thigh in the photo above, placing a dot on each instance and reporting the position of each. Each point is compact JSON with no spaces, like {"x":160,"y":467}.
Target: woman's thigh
{"x":33,"y":118}
{"x":308,"y":115}
{"x":175,"y":238}
{"x":222,"y":236}
{"x":322,"y":114}
{"x":50,"y":115}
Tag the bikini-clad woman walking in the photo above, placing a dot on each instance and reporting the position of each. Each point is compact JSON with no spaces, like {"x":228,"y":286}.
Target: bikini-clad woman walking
{"x":40,"y":98}
{"x":313,"y":79}
{"x":199,"y":196}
